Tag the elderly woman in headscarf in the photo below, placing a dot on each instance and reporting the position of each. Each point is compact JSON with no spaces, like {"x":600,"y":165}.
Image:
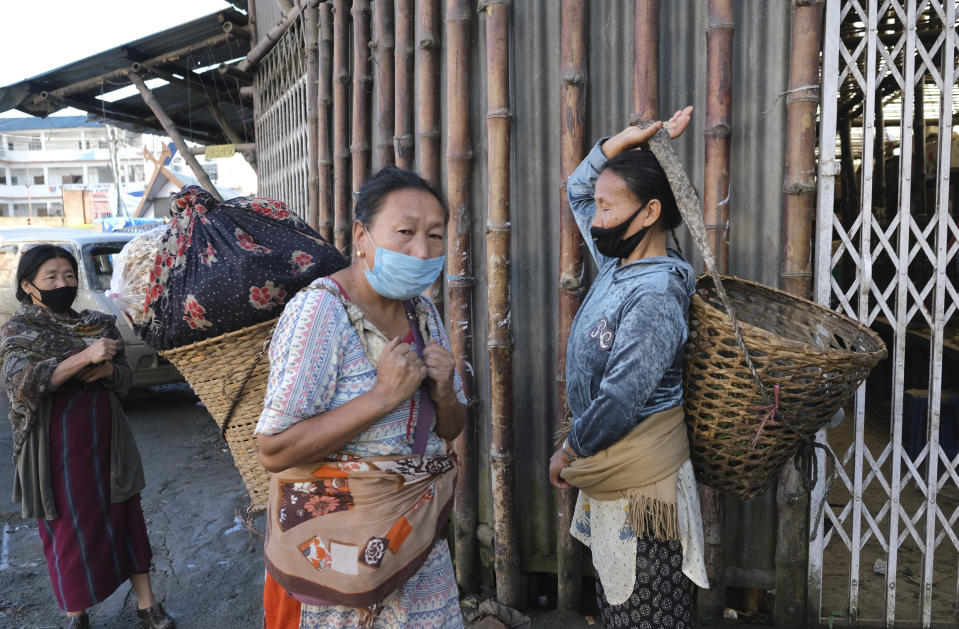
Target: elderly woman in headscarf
{"x":627,"y":451}
{"x":77,"y":468}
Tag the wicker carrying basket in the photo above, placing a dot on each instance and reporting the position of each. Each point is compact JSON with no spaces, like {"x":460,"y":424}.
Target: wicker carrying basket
{"x":817,"y":357}
{"x":229,"y":374}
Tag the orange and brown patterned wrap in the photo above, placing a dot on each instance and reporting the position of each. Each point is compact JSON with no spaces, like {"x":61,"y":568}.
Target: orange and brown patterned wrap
{"x":351,"y":532}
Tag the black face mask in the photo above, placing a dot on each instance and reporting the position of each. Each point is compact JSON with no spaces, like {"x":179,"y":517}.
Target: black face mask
{"x":58,"y":300}
{"x":610,"y":242}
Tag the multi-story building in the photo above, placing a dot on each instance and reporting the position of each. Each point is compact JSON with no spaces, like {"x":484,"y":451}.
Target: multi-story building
{"x":42,"y":157}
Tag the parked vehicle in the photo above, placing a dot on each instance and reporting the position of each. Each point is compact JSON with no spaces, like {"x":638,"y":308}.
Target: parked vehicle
{"x":93,"y":251}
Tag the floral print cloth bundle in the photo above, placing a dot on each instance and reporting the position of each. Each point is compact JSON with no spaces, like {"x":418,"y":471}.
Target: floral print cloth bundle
{"x":226,"y":265}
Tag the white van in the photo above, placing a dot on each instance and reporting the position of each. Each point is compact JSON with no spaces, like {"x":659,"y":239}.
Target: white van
{"x":93,"y":251}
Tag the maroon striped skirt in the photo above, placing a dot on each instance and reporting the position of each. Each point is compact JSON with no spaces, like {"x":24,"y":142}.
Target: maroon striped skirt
{"x":93,"y":545}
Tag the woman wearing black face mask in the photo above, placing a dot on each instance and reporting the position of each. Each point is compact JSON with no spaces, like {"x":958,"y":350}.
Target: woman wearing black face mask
{"x":77,"y":469}
{"x":627,"y":451}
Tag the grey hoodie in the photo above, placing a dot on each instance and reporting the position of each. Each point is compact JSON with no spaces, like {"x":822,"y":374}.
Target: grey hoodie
{"x":624,"y":360}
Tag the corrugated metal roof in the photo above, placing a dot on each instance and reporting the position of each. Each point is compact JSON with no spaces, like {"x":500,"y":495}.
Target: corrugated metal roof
{"x":89,"y":79}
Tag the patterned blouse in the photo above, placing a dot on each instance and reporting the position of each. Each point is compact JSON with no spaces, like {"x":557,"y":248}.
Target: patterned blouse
{"x":323,"y":354}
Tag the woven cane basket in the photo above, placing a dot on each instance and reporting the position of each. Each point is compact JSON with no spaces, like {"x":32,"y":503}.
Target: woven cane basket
{"x":229,"y":374}
{"x":816,"y":356}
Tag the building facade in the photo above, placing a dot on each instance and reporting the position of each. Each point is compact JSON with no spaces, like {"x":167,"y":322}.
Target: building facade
{"x":40,"y":158}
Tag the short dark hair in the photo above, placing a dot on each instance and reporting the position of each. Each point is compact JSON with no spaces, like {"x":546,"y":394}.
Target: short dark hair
{"x":374,"y":191}
{"x":31,"y":261}
{"x":647,"y":180}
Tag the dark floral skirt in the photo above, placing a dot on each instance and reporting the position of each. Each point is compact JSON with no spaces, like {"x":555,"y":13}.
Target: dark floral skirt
{"x":661,"y":596}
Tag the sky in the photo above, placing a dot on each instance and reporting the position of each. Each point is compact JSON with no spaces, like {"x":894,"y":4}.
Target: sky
{"x":42,"y":35}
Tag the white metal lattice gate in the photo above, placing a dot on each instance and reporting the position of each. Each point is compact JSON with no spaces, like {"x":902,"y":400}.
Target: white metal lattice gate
{"x":884,"y":525}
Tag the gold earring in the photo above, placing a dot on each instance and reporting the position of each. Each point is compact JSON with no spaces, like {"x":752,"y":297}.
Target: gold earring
{"x":360,"y":254}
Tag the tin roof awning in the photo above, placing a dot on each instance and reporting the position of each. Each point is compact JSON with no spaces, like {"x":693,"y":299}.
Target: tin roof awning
{"x":195,"y":82}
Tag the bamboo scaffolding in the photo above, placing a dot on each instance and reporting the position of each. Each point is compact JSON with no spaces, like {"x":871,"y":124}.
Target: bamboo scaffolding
{"x":342,"y":202}
{"x":719,"y":58}
{"x":574,"y":49}
{"x":427,"y":108}
{"x":645,"y":61}
{"x":403,"y":68}
{"x":799,"y":214}
{"x":311,"y":41}
{"x":360,"y":136}
{"x":383,"y":50}
{"x":174,"y":133}
{"x":500,"y":342}
{"x":324,"y":102}
{"x":459,"y":265}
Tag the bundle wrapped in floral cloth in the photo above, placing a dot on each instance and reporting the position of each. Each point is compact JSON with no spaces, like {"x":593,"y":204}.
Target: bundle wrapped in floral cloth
{"x":225,"y":265}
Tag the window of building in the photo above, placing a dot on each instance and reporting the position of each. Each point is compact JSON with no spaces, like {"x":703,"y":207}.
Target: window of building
{"x":102,"y":144}
{"x":13,"y":181}
{"x":38,"y":180}
{"x":35,"y":145}
{"x":9,"y":146}
{"x":3,"y":180}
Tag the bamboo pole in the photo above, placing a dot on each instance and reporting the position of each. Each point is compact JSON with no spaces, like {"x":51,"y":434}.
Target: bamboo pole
{"x":403,"y":121}
{"x":342,"y":202}
{"x":265,"y":45}
{"x":646,"y":61}
{"x":427,"y":90}
{"x":719,"y":58}
{"x":311,"y":40}
{"x":459,"y":160}
{"x":383,"y":47}
{"x":174,"y":133}
{"x":574,"y":49}
{"x":500,"y":342}
{"x":324,"y":102}
{"x":427,"y":108}
{"x":792,"y":544}
{"x":360,"y":144}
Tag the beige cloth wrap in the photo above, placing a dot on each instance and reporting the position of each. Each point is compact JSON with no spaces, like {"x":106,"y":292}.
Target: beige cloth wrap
{"x":643,"y":466}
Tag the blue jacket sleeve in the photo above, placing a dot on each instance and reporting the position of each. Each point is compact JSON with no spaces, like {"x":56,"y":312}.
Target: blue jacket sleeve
{"x":579,"y":189}
{"x":648,"y":335}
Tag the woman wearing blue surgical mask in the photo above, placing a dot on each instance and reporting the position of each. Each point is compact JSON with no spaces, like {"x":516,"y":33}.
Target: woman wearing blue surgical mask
{"x":361,"y":403}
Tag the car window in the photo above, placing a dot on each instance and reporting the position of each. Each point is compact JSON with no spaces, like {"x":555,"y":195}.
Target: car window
{"x":100,"y":263}
{"x":8,"y":265}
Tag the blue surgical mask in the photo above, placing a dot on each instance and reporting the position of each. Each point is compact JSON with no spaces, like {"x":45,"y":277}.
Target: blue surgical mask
{"x":399,"y":276}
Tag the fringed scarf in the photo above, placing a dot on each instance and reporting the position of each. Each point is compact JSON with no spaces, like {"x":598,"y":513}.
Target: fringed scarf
{"x":644,"y":467}
{"x":32,"y":343}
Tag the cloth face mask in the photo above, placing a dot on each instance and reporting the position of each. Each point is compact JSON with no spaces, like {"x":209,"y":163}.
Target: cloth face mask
{"x":399,"y":276}
{"x":58,"y":300}
{"x":609,"y":240}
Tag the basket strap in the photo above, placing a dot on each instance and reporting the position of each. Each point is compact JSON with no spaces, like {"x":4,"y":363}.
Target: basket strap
{"x":246,"y":379}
